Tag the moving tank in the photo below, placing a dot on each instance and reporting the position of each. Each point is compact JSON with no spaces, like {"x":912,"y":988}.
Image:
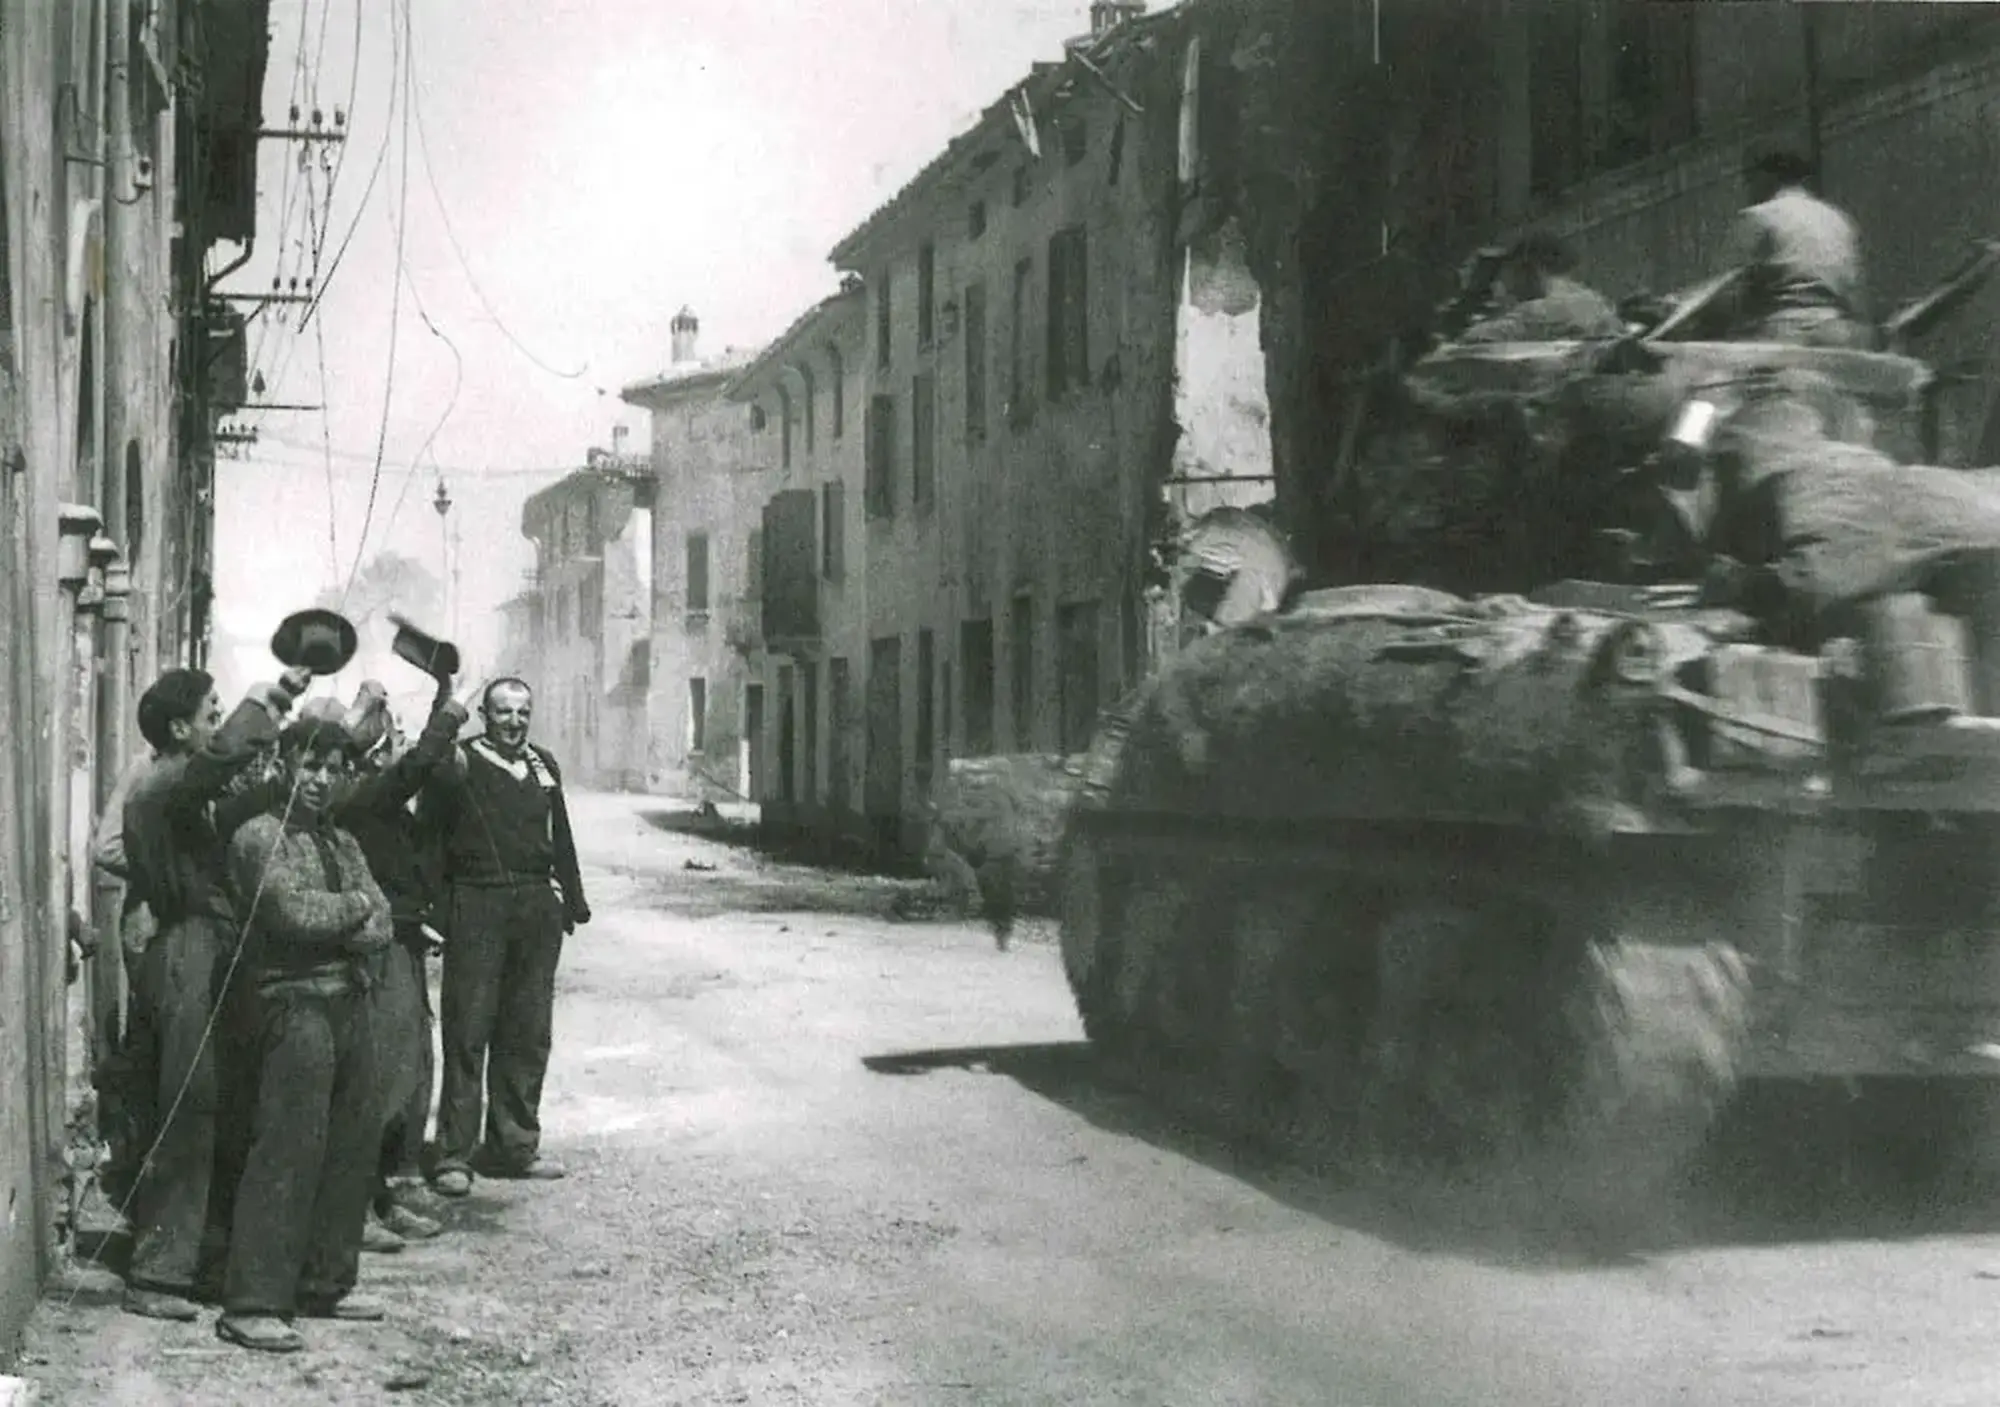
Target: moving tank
{"x":1670,"y":758}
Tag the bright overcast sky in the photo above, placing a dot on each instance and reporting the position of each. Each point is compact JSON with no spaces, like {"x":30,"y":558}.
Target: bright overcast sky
{"x":601,"y":163}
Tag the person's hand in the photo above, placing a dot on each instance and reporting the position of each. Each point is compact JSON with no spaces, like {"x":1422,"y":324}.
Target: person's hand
{"x":275,"y":699}
{"x":576,"y":913}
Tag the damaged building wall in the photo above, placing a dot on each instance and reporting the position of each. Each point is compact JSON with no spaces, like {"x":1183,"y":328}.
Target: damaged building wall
{"x":1007,"y":544}
{"x":1222,"y":456}
{"x":1371,"y":159}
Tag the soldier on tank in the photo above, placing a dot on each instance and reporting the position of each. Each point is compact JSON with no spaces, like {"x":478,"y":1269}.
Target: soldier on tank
{"x":1800,"y":259}
{"x":1543,"y":301}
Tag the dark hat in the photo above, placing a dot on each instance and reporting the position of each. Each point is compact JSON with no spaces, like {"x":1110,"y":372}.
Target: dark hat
{"x":321,"y":641}
{"x":1776,"y":159}
{"x":320,"y":724}
{"x":422,"y":649}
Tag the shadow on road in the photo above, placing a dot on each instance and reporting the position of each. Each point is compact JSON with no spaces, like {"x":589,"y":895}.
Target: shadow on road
{"x":1791,"y":1164}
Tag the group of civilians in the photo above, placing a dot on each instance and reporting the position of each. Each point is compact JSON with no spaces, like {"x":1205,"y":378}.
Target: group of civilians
{"x":289,"y":869}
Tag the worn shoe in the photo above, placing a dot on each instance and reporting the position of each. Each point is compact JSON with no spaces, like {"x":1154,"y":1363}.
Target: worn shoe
{"x":409,"y":1224}
{"x":452,"y":1182}
{"x":356,"y":1309}
{"x":263,"y":1332}
{"x":160,"y":1304}
{"x":379,"y":1239}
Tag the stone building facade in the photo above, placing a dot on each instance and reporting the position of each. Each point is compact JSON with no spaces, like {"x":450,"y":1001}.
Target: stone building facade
{"x":801,"y":399}
{"x":128,"y":139}
{"x":1046,"y":369}
{"x":589,"y":619}
{"x":705,"y":697}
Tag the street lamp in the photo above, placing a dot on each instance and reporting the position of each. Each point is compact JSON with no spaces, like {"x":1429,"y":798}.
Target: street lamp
{"x":441,"y":501}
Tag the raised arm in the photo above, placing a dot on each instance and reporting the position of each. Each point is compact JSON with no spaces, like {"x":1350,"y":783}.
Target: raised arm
{"x":254,"y":724}
{"x":391,"y":788}
{"x":286,"y":891}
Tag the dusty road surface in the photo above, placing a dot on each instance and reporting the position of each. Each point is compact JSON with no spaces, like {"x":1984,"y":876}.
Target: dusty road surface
{"x":777,"y":1198}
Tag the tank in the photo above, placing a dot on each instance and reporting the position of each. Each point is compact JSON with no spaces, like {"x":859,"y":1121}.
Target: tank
{"x":1529,"y":854}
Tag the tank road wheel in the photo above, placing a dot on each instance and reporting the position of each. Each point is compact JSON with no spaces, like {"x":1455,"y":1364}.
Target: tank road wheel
{"x":1657,"y":1031}
{"x":1458,"y":1044}
{"x":1273,"y":1038}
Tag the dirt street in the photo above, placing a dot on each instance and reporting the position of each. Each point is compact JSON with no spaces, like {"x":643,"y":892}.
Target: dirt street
{"x":767,"y":1206}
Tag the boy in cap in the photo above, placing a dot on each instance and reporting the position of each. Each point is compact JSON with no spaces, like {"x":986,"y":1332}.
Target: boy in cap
{"x":317,"y":919}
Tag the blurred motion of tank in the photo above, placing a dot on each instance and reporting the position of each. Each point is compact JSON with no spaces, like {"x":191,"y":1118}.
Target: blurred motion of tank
{"x":1652,"y":743}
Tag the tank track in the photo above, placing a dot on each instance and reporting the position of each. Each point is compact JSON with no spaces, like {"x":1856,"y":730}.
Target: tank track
{"x":1463,"y":1041}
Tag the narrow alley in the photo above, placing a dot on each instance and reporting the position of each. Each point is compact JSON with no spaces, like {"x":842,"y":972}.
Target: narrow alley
{"x":820,"y":1156}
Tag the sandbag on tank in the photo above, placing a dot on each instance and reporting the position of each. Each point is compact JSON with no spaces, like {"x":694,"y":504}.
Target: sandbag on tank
{"x":1510,"y":713}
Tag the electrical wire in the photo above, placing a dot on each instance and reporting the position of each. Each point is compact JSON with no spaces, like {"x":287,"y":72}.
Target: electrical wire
{"x":395,"y":313}
{"x":465,"y":266}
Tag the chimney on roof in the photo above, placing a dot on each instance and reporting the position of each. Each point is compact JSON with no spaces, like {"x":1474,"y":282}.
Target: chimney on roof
{"x":686,"y":326}
{"x":1107,"y":15}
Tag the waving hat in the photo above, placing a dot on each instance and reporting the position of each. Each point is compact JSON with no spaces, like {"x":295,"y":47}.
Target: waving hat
{"x":321,"y":641}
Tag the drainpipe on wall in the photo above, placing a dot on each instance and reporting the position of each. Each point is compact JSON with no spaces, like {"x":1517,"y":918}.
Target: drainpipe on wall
{"x":107,"y":966}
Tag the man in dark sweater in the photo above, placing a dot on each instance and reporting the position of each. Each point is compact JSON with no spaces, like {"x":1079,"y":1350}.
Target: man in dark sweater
{"x":513,"y":890}
{"x":174,"y":859}
{"x":376,"y":809}
{"x":317,"y":921}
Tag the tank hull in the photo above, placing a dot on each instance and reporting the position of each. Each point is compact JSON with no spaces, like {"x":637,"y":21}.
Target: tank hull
{"x":1512,"y":884}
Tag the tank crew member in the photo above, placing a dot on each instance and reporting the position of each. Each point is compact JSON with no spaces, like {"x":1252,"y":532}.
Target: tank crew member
{"x":1544,"y":302}
{"x":1801,"y":260}
{"x":177,"y":866}
{"x":318,"y":921}
{"x":513,"y":891}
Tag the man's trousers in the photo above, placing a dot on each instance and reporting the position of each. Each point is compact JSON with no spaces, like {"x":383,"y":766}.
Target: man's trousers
{"x":174,"y":1037}
{"x":303,"y":1199}
{"x":403,"y":1024}
{"x":497,"y":1009}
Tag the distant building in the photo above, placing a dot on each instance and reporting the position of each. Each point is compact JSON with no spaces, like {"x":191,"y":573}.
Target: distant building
{"x":801,"y":398}
{"x":589,"y":618}
{"x":706,"y":692}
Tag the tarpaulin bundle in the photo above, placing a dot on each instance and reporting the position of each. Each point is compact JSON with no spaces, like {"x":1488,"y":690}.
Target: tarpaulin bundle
{"x":1519,"y":717}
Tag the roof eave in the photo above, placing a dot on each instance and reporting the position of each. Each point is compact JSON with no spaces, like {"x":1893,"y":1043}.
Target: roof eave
{"x":1042,"y":78}
{"x":648,"y":395}
{"x":751,"y":380}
